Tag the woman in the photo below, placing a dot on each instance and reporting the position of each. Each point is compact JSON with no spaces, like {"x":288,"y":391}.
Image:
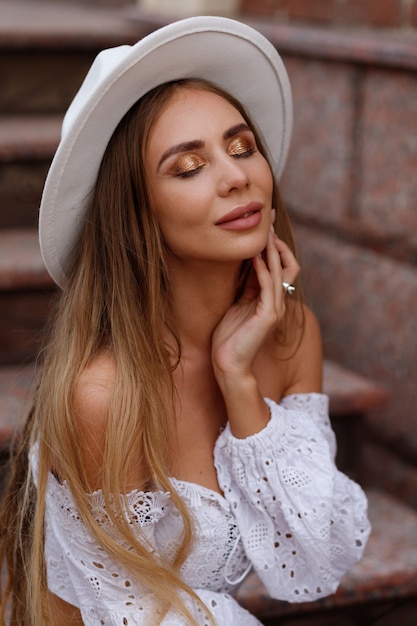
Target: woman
{"x":178,"y":436}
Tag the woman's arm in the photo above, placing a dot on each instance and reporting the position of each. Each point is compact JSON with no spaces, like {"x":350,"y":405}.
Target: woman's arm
{"x":305,"y":368}
{"x":303,"y":523}
{"x":243,"y":332}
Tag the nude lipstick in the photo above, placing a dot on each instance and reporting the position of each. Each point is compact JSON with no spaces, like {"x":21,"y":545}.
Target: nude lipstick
{"x":242,"y":217}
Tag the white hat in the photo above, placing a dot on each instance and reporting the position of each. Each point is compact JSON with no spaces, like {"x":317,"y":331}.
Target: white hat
{"x":232,"y":55}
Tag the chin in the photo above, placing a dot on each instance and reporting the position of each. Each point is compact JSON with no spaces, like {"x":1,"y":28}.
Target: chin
{"x":259,"y":245}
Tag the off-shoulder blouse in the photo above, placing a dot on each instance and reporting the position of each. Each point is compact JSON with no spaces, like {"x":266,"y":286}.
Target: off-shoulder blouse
{"x":286,"y":512}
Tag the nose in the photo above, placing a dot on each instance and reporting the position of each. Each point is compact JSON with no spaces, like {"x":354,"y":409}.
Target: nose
{"x":232,"y":175}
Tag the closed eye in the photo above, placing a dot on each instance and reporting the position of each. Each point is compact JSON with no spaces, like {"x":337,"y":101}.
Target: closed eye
{"x":242,"y":147}
{"x":188,"y":165}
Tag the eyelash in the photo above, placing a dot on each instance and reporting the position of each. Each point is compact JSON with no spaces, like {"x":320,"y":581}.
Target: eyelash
{"x":248,"y":150}
{"x":188,"y":173}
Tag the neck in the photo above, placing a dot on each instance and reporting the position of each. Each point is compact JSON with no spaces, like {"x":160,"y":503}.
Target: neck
{"x":201,"y":295}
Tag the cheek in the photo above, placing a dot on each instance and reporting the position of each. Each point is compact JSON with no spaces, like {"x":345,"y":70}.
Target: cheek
{"x":176,"y":209}
{"x":267,"y":179}
{"x":176,"y":219}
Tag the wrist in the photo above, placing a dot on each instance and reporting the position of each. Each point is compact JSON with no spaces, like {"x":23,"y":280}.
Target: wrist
{"x":247,"y":411}
{"x":234,"y":381}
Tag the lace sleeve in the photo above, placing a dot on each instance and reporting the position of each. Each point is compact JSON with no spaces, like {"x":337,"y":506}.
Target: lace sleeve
{"x":303,"y":523}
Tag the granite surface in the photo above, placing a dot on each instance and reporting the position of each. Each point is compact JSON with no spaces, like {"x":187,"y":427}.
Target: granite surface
{"x":365,"y":303}
{"x":387,"y":196}
{"x":317,"y":178}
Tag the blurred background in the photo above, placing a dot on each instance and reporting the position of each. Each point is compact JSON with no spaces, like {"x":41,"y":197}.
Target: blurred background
{"x":350,"y":186}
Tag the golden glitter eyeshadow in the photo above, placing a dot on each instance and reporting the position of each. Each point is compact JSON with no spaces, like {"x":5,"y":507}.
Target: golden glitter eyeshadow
{"x":239,"y":146}
{"x":188,"y":163}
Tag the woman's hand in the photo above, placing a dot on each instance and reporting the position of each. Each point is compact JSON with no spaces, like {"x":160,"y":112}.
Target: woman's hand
{"x":246,"y":325}
{"x":242,"y":332}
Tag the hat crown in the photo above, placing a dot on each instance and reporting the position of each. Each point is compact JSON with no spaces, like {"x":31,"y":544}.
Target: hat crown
{"x":105,"y":63}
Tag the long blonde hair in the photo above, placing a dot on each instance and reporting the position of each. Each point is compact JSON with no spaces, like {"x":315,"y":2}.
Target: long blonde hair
{"x":117,"y":299}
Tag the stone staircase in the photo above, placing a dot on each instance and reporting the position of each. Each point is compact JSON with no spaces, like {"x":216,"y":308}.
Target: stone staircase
{"x":45,"y":51}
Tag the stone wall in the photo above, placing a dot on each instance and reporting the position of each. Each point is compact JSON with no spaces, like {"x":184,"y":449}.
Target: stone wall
{"x":374,"y":13}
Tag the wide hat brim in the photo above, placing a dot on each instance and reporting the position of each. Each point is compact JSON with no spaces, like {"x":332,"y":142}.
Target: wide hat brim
{"x":229,"y":54}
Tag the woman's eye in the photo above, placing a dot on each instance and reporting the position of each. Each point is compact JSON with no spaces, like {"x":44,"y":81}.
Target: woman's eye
{"x":241,"y":147}
{"x":188,"y":165}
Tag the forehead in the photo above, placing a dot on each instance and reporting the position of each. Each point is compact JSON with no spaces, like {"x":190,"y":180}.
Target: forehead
{"x":193,"y":113}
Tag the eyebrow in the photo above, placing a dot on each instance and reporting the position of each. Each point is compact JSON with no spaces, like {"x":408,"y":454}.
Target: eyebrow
{"x":197,"y":144}
{"x":239,"y":128}
{"x":185,"y":146}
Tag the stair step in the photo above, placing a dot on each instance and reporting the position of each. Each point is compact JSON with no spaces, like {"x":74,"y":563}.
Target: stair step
{"x":386,"y":574}
{"x":27,"y":145}
{"x":29,"y":137}
{"x":46,"y":50}
{"x":41,"y":81}
{"x":26,"y":293}
{"x":21,"y":263}
{"x":350,"y":390}
{"x":16,"y":390}
{"x":63,"y":25}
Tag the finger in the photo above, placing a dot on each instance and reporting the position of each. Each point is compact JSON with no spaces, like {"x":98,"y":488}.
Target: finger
{"x":273,"y":259}
{"x":265,"y":281}
{"x":276,"y":271}
{"x":290,"y":266}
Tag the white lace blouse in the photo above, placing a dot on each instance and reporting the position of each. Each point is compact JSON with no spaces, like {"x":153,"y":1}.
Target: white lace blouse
{"x":286,"y":511}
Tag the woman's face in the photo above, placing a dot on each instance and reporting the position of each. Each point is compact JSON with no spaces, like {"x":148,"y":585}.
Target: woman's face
{"x":209,"y":185}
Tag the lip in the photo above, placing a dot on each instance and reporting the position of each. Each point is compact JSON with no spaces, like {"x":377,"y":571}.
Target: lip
{"x":241,"y":213}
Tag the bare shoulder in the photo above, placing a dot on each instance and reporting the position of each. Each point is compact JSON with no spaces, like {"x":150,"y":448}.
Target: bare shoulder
{"x":93,"y":390}
{"x":306,"y":363}
{"x":91,"y":401}
{"x":312,"y":333}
